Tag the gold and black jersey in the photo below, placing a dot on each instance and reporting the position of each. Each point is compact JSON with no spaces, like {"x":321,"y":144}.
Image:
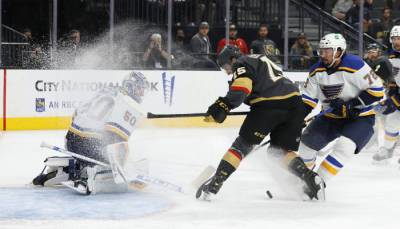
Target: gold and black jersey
{"x":261,"y":80}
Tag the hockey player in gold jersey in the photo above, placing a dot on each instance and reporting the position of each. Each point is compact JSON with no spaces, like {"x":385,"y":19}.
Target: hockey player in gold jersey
{"x":275,"y":108}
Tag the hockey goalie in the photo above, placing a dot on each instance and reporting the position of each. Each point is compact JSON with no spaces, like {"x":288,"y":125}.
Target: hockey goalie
{"x":100,"y":130}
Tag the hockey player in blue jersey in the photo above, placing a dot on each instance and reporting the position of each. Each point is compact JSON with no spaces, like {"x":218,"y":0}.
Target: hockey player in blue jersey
{"x":347,"y":90}
{"x":100,"y":128}
{"x":391,"y":106}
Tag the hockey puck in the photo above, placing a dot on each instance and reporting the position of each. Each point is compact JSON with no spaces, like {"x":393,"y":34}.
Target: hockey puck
{"x":268,"y":194}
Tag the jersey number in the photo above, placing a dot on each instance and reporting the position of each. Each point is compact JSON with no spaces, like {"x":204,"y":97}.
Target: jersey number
{"x":274,"y":72}
{"x":129,"y":118}
{"x":371,"y":77}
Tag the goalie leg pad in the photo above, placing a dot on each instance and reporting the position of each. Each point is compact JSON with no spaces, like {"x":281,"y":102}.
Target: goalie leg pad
{"x":56,"y":170}
{"x":120,"y":152}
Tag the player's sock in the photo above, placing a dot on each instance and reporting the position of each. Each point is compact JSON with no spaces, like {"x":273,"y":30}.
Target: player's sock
{"x":391,"y":138}
{"x":308,"y":155}
{"x":333,"y":163}
{"x":226,"y":167}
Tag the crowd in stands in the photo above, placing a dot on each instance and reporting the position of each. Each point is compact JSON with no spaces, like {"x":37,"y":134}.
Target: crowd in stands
{"x":197,"y":51}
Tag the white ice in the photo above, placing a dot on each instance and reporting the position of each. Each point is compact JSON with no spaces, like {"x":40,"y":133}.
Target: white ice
{"x":361,"y":196}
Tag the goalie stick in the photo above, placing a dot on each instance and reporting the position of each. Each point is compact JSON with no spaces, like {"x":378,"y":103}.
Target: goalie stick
{"x":140,"y":177}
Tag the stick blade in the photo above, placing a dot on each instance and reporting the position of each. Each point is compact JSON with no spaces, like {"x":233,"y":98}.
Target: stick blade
{"x":203,"y":176}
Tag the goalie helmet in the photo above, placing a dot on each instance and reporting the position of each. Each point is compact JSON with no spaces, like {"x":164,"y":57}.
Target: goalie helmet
{"x":136,"y":86}
{"x":336,"y":42}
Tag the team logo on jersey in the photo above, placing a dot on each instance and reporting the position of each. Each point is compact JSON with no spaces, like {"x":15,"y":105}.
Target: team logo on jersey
{"x":331,"y":91}
{"x":168,"y":88}
{"x":40,"y":105}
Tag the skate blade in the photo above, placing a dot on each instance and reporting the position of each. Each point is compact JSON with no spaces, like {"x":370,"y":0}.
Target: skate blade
{"x":203,"y":196}
{"x":80,"y":189}
{"x":321,"y":192}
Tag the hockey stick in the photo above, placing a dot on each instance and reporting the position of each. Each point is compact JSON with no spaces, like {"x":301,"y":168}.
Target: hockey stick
{"x":151,"y":115}
{"x":305,"y":121}
{"x":118,"y":174}
{"x":140,"y":177}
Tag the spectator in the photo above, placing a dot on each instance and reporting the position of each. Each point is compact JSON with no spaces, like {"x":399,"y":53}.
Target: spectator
{"x":352,"y":16}
{"x":373,"y":53}
{"x":69,"y":49}
{"x":341,"y":8}
{"x":265,"y":46}
{"x":233,"y":40}
{"x":180,"y":40}
{"x":201,"y":46}
{"x":32,"y":55}
{"x":200,"y":43}
{"x":383,"y":28}
{"x":28,"y":35}
{"x":301,"y":52}
{"x":155,"y":56}
{"x":181,"y":58}
{"x":72,"y":40}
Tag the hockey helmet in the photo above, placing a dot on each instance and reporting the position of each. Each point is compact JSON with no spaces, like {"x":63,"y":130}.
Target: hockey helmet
{"x":136,"y":86}
{"x":373,"y":47}
{"x":336,"y":42}
{"x":226,"y":55}
{"x":395,"y":32}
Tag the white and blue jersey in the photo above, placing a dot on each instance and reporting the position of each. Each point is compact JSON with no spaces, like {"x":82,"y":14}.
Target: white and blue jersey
{"x":352,"y":78}
{"x":110,"y":110}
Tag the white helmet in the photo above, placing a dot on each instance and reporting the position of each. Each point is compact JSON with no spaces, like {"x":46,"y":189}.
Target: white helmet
{"x":136,"y":86}
{"x":395,"y":32}
{"x":335,"y":41}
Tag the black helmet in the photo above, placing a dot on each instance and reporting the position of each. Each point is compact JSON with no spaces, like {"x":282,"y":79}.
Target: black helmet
{"x":373,"y":46}
{"x":227,"y":53}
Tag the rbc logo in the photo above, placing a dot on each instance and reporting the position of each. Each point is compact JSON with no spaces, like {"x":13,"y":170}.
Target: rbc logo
{"x":40,"y":105}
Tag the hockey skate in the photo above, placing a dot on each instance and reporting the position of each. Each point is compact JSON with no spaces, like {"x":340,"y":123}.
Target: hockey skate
{"x":56,"y":170}
{"x":383,"y":156}
{"x":84,"y":183}
{"x":210,"y":187}
{"x":314,"y":185}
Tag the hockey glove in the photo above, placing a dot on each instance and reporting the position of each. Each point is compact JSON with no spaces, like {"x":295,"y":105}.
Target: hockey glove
{"x":218,"y":111}
{"x":391,"y":105}
{"x":345,"y":109}
{"x":392,"y":89}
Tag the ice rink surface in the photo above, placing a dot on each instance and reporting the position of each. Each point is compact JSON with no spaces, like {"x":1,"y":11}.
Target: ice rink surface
{"x":362,"y":196}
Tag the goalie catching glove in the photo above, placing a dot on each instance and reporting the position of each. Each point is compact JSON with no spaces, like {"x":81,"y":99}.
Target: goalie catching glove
{"x":218,"y":111}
